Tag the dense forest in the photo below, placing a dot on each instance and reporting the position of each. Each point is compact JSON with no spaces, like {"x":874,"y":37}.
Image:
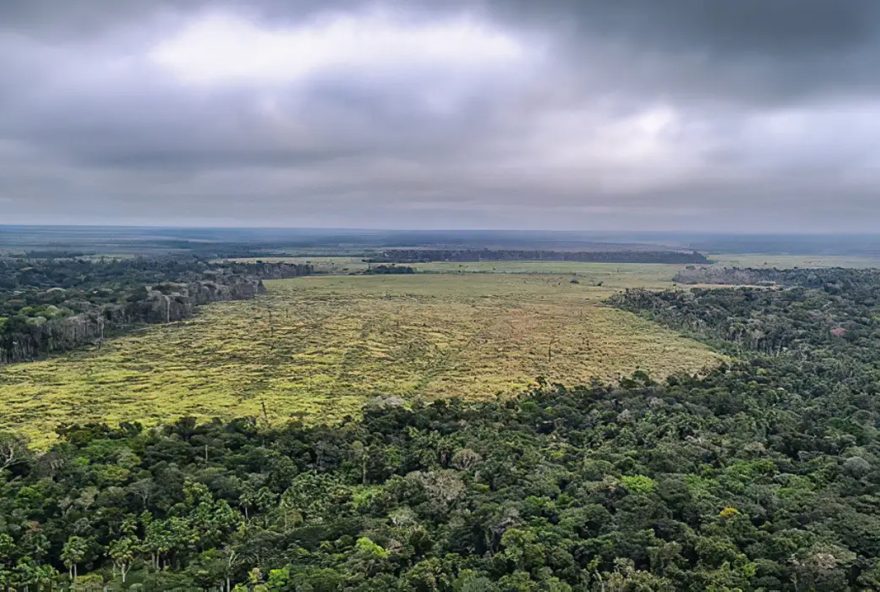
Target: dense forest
{"x":54,"y":304}
{"x":763,"y":474}
{"x":837,"y":277}
{"x":464,"y":255}
{"x":828,"y":315}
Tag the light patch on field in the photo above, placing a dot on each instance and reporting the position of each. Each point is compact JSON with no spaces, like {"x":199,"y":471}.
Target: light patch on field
{"x":318,"y":347}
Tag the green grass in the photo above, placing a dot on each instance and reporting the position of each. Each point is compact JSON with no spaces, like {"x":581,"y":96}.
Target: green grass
{"x":318,"y":347}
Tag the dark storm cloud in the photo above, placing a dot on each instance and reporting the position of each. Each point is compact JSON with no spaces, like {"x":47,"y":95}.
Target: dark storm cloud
{"x":747,"y":115}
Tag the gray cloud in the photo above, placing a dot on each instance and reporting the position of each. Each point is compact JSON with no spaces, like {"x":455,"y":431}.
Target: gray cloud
{"x":749,"y":116}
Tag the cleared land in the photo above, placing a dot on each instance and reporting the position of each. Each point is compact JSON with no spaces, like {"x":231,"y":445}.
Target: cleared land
{"x":318,"y":347}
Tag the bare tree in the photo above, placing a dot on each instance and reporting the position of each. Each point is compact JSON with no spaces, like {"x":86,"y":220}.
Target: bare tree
{"x":13,"y":450}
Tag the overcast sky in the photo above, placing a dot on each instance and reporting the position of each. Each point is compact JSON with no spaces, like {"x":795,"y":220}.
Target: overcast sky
{"x":746,"y":115}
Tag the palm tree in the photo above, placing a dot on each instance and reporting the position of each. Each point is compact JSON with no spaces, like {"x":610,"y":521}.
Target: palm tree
{"x":74,"y":552}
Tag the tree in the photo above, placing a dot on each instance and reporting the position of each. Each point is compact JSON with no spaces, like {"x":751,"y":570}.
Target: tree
{"x":73,"y":553}
{"x":369,"y":558}
{"x":30,"y":573}
{"x":123,"y":552}
{"x":360,"y":457}
{"x":13,"y":450}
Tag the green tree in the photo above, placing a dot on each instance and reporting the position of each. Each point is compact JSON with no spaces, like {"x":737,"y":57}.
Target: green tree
{"x":73,"y":552}
{"x":123,"y":552}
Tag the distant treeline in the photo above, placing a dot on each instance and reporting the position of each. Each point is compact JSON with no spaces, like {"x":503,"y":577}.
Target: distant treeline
{"x":465,"y":255}
{"x":49,"y":306}
{"x":389,"y":269}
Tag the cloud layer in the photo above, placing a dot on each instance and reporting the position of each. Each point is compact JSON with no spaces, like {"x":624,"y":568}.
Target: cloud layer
{"x":749,"y":115}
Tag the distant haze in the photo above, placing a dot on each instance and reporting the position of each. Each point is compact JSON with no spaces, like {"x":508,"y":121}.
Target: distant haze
{"x":741,"y":116}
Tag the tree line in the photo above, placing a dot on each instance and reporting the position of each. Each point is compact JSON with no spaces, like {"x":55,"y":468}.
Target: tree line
{"x":55,"y":304}
{"x":466,"y":255}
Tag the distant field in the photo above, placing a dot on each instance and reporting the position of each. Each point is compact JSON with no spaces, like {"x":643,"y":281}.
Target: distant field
{"x":328,"y":264}
{"x":789,"y":261}
{"x":640,"y":272}
{"x":320,"y":346}
{"x":621,"y":275}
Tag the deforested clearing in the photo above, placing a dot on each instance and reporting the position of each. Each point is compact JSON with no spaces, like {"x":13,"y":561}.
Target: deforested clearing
{"x":318,"y":347}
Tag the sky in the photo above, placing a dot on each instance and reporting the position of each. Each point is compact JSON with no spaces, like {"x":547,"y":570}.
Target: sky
{"x":746,"y":116}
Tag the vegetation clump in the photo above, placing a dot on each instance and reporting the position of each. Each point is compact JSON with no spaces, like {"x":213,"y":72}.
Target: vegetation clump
{"x":389,"y":269}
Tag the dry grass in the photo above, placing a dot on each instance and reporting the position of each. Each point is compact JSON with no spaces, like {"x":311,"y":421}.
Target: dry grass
{"x":790,"y":261}
{"x":318,"y":347}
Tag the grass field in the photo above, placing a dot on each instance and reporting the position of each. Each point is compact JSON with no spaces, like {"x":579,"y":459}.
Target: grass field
{"x":789,"y":261}
{"x":637,"y":271}
{"x":619,"y":274}
{"x":320,"y":346}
